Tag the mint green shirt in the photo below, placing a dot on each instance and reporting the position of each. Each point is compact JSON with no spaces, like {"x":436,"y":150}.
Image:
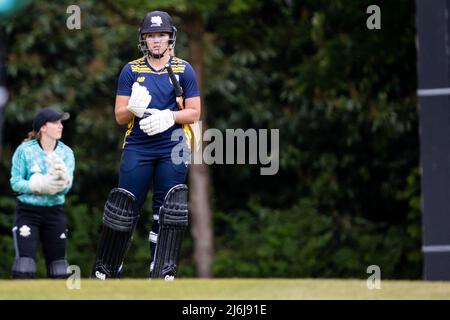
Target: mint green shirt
{"x":29,"y":158}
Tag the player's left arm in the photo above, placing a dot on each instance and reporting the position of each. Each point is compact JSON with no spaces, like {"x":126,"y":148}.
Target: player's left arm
{"x":191,"y":111}
{"x":69,"y":161}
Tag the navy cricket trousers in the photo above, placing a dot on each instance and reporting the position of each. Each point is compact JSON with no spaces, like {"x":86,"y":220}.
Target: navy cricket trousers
{"x":140,"y":171}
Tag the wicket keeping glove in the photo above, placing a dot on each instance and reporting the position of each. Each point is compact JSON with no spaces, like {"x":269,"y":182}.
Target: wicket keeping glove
{"x":159,"y":121}
{"x":46,"y":184}
{"x":139,"y":100}
{"x":57,"y":167}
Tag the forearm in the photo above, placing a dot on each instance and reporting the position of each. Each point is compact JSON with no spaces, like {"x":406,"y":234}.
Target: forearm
{"x":187,"y":116}
{"x":71,"y":168}
{"x":69,"y":186}
{"x":18,"y":180}
{"x":190,"y":113}
{"x":20,"y":185}
{"x":123,"y":116}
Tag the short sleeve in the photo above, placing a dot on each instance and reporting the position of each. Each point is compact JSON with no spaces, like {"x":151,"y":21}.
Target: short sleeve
{"x":189,"y":82}
{"x":125,"y":81}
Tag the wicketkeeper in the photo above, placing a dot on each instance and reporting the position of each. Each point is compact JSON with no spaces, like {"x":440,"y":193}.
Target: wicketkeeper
{"x":41,"y":174}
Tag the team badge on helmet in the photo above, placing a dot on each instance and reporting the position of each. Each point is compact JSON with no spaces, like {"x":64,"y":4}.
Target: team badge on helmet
{"x":153,"y":22}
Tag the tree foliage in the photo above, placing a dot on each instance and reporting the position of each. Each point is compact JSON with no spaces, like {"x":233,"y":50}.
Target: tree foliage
{"x":347,"y":193}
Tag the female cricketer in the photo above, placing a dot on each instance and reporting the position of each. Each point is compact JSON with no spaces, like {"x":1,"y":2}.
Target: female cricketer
{"x":146,"y":101}
{"x":41,"y":174}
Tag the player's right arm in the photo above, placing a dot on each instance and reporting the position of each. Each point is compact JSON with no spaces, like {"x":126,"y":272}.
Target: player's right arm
{"x":123,"y":115}
{"x":124,"y":84}
{"x":18,"y":180}
{"x":132,"y":99}
{"x":136,"y":104}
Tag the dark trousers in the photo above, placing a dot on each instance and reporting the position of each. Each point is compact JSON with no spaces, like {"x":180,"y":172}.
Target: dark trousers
{"x":34,"y":224}
{"x":139,"y":172}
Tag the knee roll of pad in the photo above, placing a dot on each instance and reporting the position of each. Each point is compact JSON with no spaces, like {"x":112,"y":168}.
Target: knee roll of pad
{"x":121,"y":212}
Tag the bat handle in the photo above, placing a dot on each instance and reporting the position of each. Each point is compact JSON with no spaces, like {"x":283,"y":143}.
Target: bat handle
{"x":175,"y":83}
{"x":146,"y":114}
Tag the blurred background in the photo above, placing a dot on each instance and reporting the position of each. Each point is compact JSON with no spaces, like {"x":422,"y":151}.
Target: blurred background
{"x":347,"y":194}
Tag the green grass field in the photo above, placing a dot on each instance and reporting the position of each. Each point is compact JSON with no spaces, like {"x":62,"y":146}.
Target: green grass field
{"x":226,"y":289}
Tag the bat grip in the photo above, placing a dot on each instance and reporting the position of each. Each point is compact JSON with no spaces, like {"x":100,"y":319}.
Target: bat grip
{"x":176,"y":84}
{"x":146,"y":114}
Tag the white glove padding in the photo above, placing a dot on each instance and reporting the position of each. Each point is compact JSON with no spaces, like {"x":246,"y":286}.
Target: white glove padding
{"x":46,"y":184}
{"x":53,"y":159}
{"x":159,"y":121}
{"x":57,"y":167}
{"x":60,"y":172}
{"x":139,"y":100}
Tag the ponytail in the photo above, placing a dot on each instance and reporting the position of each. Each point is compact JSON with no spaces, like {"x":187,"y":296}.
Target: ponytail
{"x":32,"y":135}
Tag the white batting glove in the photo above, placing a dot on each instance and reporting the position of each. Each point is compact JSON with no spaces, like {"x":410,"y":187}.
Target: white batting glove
{"x":159,"y":121}
{"x":139,"y":100}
